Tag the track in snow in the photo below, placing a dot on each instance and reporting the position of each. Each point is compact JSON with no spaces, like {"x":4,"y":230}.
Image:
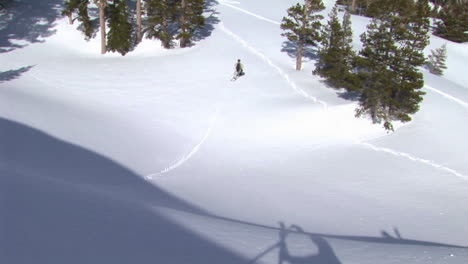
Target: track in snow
{"x":448,"y":96}
{"x":414,"y":158}
{"x":192,"y":152}
{"x":271,"y":64}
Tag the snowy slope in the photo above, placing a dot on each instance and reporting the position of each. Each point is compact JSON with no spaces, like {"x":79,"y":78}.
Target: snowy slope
{"x":156,"y":157}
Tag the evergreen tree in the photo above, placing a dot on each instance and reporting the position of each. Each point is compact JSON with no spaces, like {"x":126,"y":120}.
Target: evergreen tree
{"x":302,"y":26}
{"x":336,"y":53}
{"x":120,"y":30}
{"x":437,"y":60}
{"x":377,"y":8}
{"x":81,"y":7}
{"x":191,"y":19}
{"x":393,"y":49}
{"x":161,"y":18}
{"x":453,"y":23}
{"x":70,"y":7}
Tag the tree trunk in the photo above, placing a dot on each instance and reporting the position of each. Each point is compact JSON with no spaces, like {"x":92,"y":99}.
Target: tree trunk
{"x":183,"y":18}
{"x":300,"y":48}
{"x":353,"y":6}
{"x":139,"y":33}
{"x":102,"y":22}
{"x":70,"y":18}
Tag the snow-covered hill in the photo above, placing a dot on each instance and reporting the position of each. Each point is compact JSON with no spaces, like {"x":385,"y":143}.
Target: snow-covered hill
{"x":156,"y":157}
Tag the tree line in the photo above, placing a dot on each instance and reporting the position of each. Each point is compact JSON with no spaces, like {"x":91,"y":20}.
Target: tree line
{"x":450,"y":16}
{"x":170,"y":21}
{"x":384,"y":74}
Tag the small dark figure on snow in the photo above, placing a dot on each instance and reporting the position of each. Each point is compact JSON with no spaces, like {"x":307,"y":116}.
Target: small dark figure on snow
{"x":239,"y":70}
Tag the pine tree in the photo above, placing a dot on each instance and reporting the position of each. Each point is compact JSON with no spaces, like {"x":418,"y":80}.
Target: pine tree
{"x":453,"y":23}
{"x":377,"y":8}
{"x":85,"y":20}
{"x":81,"y":7}
{"x":393,"y":49}
{"x":437,"y":60}
{"x":191,"y":19}
{"x":161,"y":16}
{"x":336,"y":53}
{"x":302,"y":26}
{"x":120,"y":30}
{"x":70,"y":7}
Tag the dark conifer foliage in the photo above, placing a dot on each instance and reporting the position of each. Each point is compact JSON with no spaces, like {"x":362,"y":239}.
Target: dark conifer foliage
{"x":437,"y":60}
{"x":81,"y":8}
{"x":120,"y":30}
{"x":392,"y":52}
{"x":336,"y":54}
{"x":162,"y":16}
{"x":453,"y":23}
{"x":302,"y":26}
{"x":191,"y":19}
{"x":377,"y":8}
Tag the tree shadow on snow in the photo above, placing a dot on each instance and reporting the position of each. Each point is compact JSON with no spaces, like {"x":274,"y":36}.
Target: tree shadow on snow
{"x":291,"y":49}
{"x":13,"y":74}
{"x":349,"y":95}
{"x":61,"y":203}
{"x":27,"y":21}
{"x":211,"y":19}
{"x":325,"y":253}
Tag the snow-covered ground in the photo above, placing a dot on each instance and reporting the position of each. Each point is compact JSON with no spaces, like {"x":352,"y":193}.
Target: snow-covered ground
{"x":156,"y":157}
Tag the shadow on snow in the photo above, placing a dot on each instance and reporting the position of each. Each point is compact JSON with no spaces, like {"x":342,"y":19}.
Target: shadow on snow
{"x":61,"y":203}
{"x":13,"y":74}
{"x":291,"y":49}
{"x":27,"y":21}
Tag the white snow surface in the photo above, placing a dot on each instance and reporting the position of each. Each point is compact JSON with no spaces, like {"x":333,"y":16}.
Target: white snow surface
{"x":156,"y":157}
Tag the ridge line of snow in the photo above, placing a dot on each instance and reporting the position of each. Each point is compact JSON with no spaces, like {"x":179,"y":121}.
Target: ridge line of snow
{"x":250,"y":13}
{"x":271,"y":64}
{"x":448,"y":96}
{"x":413,"y":158}
{"x":192,"y":152}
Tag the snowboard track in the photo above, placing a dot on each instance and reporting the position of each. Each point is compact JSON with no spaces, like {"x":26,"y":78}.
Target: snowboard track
{"x":191,"y":153}
{"x":413,"y":158}
{"x":288,"y":80}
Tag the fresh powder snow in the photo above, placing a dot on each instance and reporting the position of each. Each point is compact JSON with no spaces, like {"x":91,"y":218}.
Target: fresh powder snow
{"x":157,"y":157}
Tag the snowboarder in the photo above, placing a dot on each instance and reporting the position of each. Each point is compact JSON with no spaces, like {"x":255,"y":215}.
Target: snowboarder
{"x":239,"y":70}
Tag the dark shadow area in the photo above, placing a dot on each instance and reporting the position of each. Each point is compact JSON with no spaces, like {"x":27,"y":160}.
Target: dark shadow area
{"x":352,"y":96}
{"x":325,"y":254}
{"x":61,"y":203}
{"x":13,"y":74}
{"x":381,"y":240}
{"x":27,"y":21}
{"x":291,"y":49}
{"x":211,"y":19}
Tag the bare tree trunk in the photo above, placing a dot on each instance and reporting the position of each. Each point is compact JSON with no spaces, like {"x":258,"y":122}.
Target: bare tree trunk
{"x":300,"y":43}
{"x":183,"y":40}
{"x":353,"y":6}
{"x":139,"y":32}
{"x":300,"y":48}
{"x":70,"y":18}
{"x":102,"y":22}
